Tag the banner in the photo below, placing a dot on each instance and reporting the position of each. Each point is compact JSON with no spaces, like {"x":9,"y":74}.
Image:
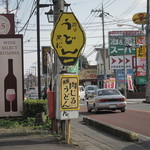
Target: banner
{"x":109,"y":83}
{"x":105,"y":84}
{"x":112,"y":83}
{"x":130,"y":83}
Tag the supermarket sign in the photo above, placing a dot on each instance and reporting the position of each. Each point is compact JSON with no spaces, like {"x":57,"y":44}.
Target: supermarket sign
{"x":121,"y":42}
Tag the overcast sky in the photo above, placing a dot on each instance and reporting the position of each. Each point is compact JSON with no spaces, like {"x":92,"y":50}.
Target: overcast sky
{"x":117,"y":12}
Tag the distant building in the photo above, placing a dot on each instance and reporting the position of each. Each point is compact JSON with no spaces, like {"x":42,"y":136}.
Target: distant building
{"x":88,"y":76}
{"x":100,"y":67}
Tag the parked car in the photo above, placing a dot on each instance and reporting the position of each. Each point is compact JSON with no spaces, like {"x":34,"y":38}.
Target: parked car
{"x":81,"y":92}
{"x":106,"y":99}
{"x":33,"y":96}
{"x":89,"y":90}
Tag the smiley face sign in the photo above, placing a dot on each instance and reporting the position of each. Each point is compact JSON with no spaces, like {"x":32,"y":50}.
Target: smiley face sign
{"x":140,"y":18}
{"x":68,"y":38}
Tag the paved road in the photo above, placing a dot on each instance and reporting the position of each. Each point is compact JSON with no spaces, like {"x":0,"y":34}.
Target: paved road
{"x":134,"y":119}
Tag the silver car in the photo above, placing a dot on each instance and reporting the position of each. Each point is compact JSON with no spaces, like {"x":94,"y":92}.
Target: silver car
{"x":106,"y":99}
{"x":89,"y":89}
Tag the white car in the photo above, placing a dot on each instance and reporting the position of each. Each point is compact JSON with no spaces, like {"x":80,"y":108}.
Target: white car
{"x":82,"y":93}
{"x":107,"y":99}
{"x":89,"y":90}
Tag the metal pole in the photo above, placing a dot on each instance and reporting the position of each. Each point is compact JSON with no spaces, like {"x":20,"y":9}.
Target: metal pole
{"x":124,"y":67}
{"x":38,"y":50}
{"x":148,"y":53}
{"x":58,"y":8}
{"x":104,"y":50}
{"x":7,"y":9}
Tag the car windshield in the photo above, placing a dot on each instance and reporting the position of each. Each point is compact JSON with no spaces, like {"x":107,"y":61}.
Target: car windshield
{"x":92,"y":88}
{"x":108,"y":92}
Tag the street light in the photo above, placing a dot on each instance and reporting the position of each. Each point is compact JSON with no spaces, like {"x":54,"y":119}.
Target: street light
{"x":66,"y":5}
{"x":50,"y":15}
{"x":120,"y":25}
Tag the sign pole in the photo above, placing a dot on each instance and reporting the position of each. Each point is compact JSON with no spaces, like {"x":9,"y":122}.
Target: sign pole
{"x":68,"y":131}
{"x":58,"y":7}
{"x":148,"y":54}
{"x":124,"y":67}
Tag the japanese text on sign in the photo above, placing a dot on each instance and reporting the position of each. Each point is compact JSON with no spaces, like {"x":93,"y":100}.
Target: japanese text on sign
{"x":69,"y":99}
{"x":117,"y":45}
{"x":68,"y":38}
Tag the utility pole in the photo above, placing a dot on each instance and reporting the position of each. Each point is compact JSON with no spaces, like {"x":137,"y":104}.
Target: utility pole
{"x":58,"y":8}
{"x":148,"y":53}
{"x":104,"y":50}
{"x":38,"y":50}
{"x":38,"y":45}
{"x":103,"y":32}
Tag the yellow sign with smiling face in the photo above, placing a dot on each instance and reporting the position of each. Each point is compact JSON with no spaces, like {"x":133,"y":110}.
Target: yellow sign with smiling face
{"x":140,"y":18}
{"x":68,"y":38}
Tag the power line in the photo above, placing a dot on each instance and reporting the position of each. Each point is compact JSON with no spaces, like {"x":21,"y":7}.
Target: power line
{"x":109,"y":4}
{"x":28,"y":20}
{"x":130,"y":8}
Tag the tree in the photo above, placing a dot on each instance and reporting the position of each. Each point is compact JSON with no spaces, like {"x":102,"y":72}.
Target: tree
{"x":82,"y":62}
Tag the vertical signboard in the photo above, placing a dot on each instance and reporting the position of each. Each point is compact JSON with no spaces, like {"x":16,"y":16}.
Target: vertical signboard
{"x":11,"y":75}
{"x":45,"y":53}
{"x":141,"y":59}
{"x":68,"y":105}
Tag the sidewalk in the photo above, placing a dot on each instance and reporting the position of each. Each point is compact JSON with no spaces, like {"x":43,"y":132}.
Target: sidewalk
{"x":34,"y":143}
{"x":89,"y":138}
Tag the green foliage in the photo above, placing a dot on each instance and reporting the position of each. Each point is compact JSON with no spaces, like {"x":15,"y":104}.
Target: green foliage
{"x":22,"y":122}
{"x":9,"y":123}
{"x":32,"y":107}
{"x":28,"y":122}
{"x":45,"y":126}
{"x":83,"y":61}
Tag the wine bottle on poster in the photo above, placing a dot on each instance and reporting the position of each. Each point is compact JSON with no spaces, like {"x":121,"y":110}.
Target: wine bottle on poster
{"x":10,"y":89}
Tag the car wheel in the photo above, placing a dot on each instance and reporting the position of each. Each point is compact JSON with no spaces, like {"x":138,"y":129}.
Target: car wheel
{"x":95,"y":109}
{"x":88,"y":108}
{"x":123,"y":110}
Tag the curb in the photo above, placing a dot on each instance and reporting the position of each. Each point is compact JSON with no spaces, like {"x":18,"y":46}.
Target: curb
{"x":116,"y":131}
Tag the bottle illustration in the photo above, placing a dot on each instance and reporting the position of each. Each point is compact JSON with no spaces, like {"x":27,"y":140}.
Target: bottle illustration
{"x":10,"y":89}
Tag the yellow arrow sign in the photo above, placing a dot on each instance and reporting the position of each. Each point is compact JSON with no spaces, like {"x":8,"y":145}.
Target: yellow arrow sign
{"x":68,"y":38}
